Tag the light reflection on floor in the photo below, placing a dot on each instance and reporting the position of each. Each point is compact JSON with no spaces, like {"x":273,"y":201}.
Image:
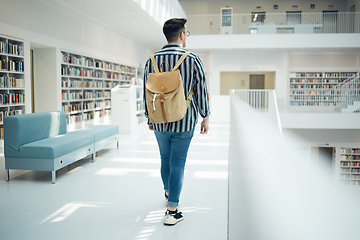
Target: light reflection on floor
{"x":120,"y":195}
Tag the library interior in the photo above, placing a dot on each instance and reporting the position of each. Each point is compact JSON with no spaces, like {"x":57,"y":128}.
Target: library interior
{"x":281,"y":159}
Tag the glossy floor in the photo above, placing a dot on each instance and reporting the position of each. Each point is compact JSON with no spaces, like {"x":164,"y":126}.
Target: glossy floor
{"x":120,"y":196}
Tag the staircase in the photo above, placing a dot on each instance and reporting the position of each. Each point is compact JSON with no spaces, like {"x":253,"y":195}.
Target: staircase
{"x":350,"y":94}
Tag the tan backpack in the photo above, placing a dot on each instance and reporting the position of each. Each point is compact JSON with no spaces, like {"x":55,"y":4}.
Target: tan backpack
{"x":165,"y":96}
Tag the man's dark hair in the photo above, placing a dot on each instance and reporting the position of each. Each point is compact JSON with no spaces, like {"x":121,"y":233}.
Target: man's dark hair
{"x":173,"y":27}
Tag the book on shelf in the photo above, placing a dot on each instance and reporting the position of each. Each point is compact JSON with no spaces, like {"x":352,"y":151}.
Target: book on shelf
{"x":10,"y":48}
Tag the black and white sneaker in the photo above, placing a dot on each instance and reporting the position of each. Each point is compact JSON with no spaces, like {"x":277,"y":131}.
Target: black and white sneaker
{"x":172,"y":217}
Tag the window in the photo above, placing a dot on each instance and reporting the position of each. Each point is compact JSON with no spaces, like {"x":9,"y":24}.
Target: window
{"x":226,"y":17}
{"x":257,"y":17}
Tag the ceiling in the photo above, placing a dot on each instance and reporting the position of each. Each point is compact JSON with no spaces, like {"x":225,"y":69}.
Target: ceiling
{"x":124,"y":17}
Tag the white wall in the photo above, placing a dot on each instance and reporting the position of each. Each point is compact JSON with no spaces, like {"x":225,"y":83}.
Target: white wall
{"x":279,"y":61}
{"x":248,"y":61}
{"x":161,"y":10}
{"x":44,"y":25}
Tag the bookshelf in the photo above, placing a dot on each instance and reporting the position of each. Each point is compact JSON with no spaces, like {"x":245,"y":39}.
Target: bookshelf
{"x":78,"y":84}
{"x":350,"y":166}
{"x":140,"y":108}
{"x":12,"y":78}
{"x":316,"y":89}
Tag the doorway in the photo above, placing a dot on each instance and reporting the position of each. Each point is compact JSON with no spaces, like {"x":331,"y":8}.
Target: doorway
{"x":324,"y":157}
{"x":257,"y":81}
{"x":246,"y":80}
{"x":352,"y":19}
{"x":329,"y":22}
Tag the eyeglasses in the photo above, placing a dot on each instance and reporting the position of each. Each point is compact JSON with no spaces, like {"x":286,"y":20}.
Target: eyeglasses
{"x":187,"y":33}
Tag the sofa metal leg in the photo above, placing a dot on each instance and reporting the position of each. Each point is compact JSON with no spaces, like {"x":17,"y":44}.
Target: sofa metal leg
{"x":53,"y":177}
{"x":7,"y":174}
{"x":117,"y":144}
{"x":93,"y":157}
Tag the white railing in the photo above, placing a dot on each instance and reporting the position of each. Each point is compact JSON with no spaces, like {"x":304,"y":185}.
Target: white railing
{"x":276,"y":190}
{"x":350,"y":93}
{"x":262,"y":101}
{"x":277,"y":23}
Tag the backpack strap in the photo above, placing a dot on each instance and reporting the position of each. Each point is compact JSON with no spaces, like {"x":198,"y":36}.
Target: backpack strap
{"x":190,"y":97}
{"x":181,"y":60}
{"x":155,"y":66}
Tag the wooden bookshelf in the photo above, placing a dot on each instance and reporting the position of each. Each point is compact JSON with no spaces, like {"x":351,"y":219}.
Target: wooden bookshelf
{"x":350,"y":166}
{"x":12,"y":78}
{"x":316,"y":89}
{"x":86,"y":84}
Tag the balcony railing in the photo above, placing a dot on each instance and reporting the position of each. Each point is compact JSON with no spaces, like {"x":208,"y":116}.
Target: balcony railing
{"x":276,"y":23}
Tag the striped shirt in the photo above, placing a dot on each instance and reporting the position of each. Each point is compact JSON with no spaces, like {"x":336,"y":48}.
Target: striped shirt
{"x":193,"y":76}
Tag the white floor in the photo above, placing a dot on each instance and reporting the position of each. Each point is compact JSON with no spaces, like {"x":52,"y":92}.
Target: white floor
{"x":120,"y":196}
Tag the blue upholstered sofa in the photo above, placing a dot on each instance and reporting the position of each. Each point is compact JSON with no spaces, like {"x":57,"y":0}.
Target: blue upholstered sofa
{"x":40,"y":142}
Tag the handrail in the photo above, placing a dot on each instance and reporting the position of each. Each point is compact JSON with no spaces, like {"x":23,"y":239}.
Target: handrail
{"x":349,"y":90}
{"x":261,"y":101}
{"x":277,"y":23}
{"x":275,"y":188}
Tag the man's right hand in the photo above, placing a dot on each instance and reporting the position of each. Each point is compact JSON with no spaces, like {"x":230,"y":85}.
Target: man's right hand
{"x":150,"y":127}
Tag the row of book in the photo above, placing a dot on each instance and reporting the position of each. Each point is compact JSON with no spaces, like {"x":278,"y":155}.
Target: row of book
{"x":107,"y":75}
{"x":72,"y":60}
{"x":11,"y":65}
{"x":10,"y":48}
{"x":350,"y":177}
{"x":139,"y":106}
{"x":78,"y":72}
{"x":313,"y":104}
{"x":87,"y":84}
{"x":315,"y":81}
{"x":72,"y":107}
{"x":87,"y":116}
{"x":87,"y":62}
{"x":11,"y":82}
{"x":9,"y":113}
{"x":320,"y":74}
{"x":94,"y":105}
{"x":348,"y":164}
{"x":12,"y":98}
{"x":85,"y":95}
{"x":316,"y":86}
{"x":314,"y":98}
{"x":85,"y":106}
{"x":332,"y":93}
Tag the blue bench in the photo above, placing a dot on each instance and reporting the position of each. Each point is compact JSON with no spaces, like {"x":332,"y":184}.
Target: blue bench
{"x":40,"y":142}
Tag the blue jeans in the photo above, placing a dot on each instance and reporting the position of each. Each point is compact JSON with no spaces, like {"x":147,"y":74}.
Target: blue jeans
{"x":173,"y":148}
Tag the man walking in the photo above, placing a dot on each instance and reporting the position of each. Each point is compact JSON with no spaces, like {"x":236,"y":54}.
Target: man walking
{"x":174,"y":137}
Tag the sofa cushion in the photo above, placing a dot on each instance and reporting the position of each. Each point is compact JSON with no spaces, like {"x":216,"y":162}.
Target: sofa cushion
{"x":28,"y":128}
{"x":55,"y":147}
{"x":100,"y":132}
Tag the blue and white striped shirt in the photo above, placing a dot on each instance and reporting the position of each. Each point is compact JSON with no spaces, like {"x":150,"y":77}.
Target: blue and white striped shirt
{"x":193,"y":76}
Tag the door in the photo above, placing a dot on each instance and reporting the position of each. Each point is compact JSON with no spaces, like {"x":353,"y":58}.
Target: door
{"x":352,"y":19}
{"x":329,"y":22}
{"x":257,"y":81}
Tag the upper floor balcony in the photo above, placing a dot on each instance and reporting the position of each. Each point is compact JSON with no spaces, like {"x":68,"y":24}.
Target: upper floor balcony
{"x":275,"y":30}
